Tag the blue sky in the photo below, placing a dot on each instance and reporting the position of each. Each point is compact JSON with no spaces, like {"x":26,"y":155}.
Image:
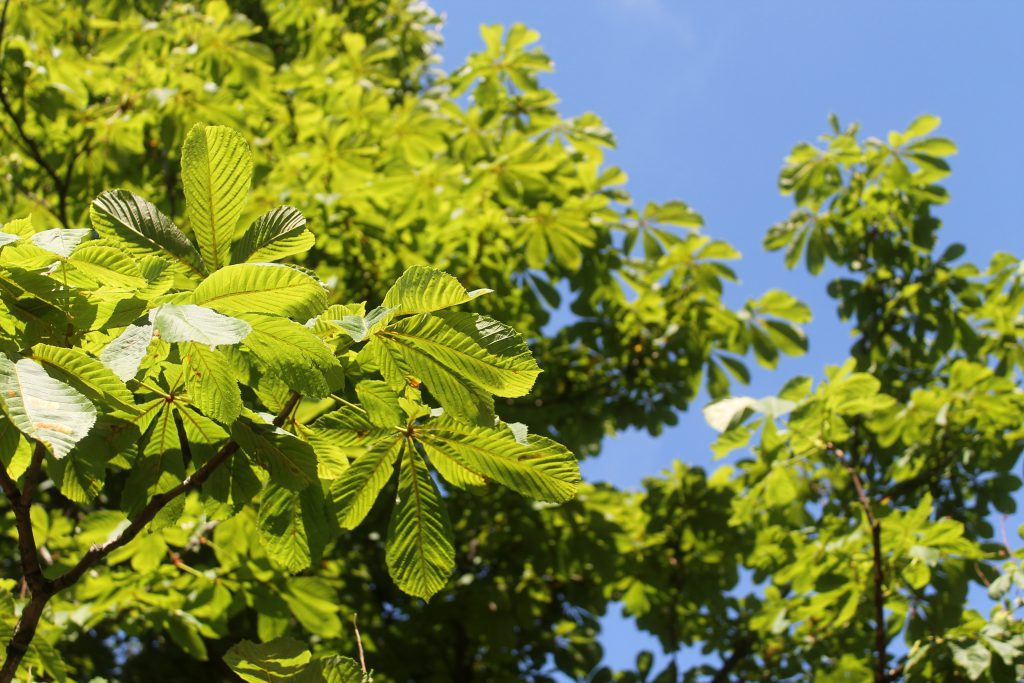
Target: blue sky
{"x":706,"y":99}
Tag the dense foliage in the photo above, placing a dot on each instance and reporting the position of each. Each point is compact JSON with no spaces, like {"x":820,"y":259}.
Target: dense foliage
{"x":840,"y":543}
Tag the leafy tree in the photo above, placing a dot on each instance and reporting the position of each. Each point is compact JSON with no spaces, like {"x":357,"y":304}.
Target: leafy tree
{"x":151,"y":380}
{"x":841,"y":544}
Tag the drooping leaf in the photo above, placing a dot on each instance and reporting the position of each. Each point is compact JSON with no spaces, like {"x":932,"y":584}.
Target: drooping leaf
{"x":353,"y":494}
{"x":540,"y":468}
{"x":419,"y":551}
{"x":291,"y":352}
{"x":216,"y":169}
{"x":42,"y":407}
{"x":276,"y":234}
{"x":292,"y":525}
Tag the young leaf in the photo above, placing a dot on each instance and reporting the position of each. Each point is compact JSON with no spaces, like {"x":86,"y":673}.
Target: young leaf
{"x":282,"y":659}
{"x":419,"y":551}
{"x":42,"y":407}
{"x":540,"y":469}
{"x":144,"y":230}
{"x":60,"y":241}
{"x":216,"y":169}
{"x":92,"y":377}
{"x":278,"y":233}
{"x":424,"y":290}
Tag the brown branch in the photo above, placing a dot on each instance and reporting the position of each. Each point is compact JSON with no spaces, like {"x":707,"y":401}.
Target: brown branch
{"x":359,"y":641}
{"x":25,"y":630}
{"x":156,"y":504}
{"x":21,"y":504}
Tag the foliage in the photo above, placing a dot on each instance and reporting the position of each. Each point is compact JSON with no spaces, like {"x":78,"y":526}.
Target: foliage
{"x":845,"y":539}
{"x":164,"y":400}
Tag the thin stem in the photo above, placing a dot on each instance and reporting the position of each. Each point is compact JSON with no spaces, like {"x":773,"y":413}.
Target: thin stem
{"x":881,"y":656}
{"x":359,"y":641}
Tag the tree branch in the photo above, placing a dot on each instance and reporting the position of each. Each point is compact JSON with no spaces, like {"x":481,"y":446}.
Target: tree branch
{"x":739,"y":652}
{"x":21,"y":504}
{"x":156,"y":504}
{"x":44,"y":589}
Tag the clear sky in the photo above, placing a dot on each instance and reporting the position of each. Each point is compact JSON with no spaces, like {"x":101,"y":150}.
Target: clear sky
{"x":707,"y":98}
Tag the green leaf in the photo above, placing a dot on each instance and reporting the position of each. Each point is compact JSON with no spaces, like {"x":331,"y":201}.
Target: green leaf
{"x":463,"y":358}
{"x":424,"y":290}
{"x":90,"y":376}
{"x":191,"y":323}
{"x":292,"y":526}
{"x":124,"y":355}
{"x":290,"y":461}
{"x":290,"y":352}
{"x":42,"y":407}
{"x":381,"y":403}
{"x":107,"y":266}
{"x":144,"y":230}
{"x":262,"y":288}
{"x":278,"y":233}
{"x":975,"y":659}
{"x":281,"y":660}
{"x":419,"y":551}
{"x":353,"y":494}
{"x":216,"y":170}
{"x":211,"y":383}
{"x":540,"y":468}
{"x":342,"y":670}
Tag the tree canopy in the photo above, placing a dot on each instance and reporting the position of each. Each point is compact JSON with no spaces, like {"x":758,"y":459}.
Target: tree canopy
{"x":299,"y":326}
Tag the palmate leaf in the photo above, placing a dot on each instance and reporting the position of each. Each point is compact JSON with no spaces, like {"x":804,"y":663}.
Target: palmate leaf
{"x":42,"y":407}
{"x":144,"y":230}
{"x":216,"y":170}
{"x":210,"y":383}
{"x":353,"y":494}
{"x":540,"y":468}
{"x":262,"y":288}
{"x":419,"y":552}
{"x":278,"y":233}
{"x":463,"y":358}
{"x":89,"y":375}
{"x":292,"y":525}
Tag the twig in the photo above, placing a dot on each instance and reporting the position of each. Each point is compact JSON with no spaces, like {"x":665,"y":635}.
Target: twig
{"x":359,"y":641}
{"x":881,"y":676}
